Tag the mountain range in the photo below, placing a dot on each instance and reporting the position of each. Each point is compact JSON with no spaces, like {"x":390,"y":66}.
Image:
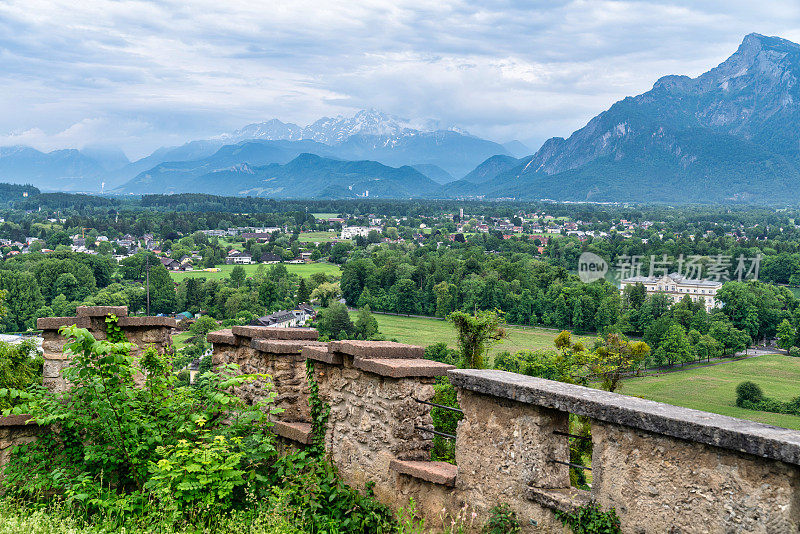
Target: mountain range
{"x":730,"y":134}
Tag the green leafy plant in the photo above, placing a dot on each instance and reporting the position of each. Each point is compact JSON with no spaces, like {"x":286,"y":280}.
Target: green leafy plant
{"x":112,"y":432}
{"x":590,"y":519}
{"x":502,"y":520}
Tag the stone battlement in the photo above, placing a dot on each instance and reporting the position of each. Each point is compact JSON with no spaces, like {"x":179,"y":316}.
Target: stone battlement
{"x":141,"y":331}
{"x":663,"y":468}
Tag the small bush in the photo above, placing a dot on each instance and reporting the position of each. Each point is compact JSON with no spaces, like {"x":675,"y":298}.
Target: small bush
{"x":794,"y":352}
{"x":591,"y":520}
{"x":503,"y":520}
{"x":748,"y":392}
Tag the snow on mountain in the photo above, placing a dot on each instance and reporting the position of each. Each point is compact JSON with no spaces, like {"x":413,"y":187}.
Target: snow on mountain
{"x":388,"y":129}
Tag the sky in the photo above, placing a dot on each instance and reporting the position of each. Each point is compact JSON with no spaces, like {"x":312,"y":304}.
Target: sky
{"x":139,"y":74}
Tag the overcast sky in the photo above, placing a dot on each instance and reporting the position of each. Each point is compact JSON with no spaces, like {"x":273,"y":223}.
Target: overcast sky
{"x":141,"y":74}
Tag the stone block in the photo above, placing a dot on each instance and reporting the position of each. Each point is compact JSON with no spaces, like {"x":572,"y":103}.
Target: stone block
{"x":222,"y":337}
{"x":134,"y":322}
{"x":101,"y":311}
{"x":284,"y":346}
{"x":263,"y":332}
{"x":377,"y":349}
{"x":15,"y":420}
{"x":433,"y":472}
{"x":54,"y":323}
{"x":321,"y":354}
{"x":401,"y":368}
{"x":693,"y":425}
{"x":295,"y":431}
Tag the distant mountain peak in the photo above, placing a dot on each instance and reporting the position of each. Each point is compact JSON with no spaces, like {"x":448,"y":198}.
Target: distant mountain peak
{"x":336,"y":130}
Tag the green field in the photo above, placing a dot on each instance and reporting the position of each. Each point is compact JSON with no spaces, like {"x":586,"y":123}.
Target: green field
{"x":713,"y":389}
{"x":318,"y":237}
{"x":303,"y":269}
{"x":324,"y":215}
{"x":424,"y":332}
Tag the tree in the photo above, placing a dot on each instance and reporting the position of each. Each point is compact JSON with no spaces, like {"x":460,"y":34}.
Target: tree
{"x":238,"y":276}
{"x":162,"y":290}
{"x":615,"y":357}
{"x":476,"y":333}
{"x":444,"y":298}
{"x":334,"y":322}
{"x":786,"y":335}
{"x":366,"y":326}
{"x":268,"y":294}
{"x":303,"y":294}
{"x":326,"y":293}
{"x":203,"y":325}
{"x":674,"y":347}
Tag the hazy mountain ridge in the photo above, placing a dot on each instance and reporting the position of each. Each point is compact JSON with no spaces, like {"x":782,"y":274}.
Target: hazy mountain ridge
{"x":305,"y":176}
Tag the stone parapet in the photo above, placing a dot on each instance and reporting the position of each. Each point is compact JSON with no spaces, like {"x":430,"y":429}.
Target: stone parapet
{"x":140,"y":331}
{"x":321,"y":354}
{"x":684,"y":423}
{"x":222,"y":337}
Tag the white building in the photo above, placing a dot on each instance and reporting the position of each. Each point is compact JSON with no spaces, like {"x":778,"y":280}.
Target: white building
{"x":676,"y":287}
{"x":349,"y":232}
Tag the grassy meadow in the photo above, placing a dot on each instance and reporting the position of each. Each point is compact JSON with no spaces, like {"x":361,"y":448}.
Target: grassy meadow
{"x":713,"y":389}
{"x":424,"y":331}
{"x":303,"y":269}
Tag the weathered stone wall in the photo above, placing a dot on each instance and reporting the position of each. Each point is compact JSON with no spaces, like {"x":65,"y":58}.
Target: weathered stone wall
{"x":658,"y":483}
{"x":663,"y":468}
{"x":15,"y":431}
{"x":274,"y":352}
{"x":503,"y":448}
{"x":141,"y":331}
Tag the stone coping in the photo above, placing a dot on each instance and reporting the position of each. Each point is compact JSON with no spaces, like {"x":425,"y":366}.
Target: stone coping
{"x":401,"y":368}
{"x":101,"y":311}
{"x":147,"y":321}
{"x":684,"y":423}
{"x":440,"y":473}
{"x":377,"y":349}
{"x":16,"y":420}
{"x":298,"y":431}
{"x":284,"y":346}
{"x":54,"y":323}
{"x":321,"y":354}
{"x":264,"y":332}
{"x":562,"y":499}
{"x":224,"y":336}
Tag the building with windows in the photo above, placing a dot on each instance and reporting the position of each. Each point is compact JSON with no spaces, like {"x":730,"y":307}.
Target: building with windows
{"x":676,"y":287}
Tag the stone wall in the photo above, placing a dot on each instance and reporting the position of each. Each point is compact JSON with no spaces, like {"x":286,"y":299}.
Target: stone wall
{"x":15,"y":431}
{"x":372,"y":389}
{"x":274,"y":352}
{"x":663,"y":468}
{"x":141,"y":331}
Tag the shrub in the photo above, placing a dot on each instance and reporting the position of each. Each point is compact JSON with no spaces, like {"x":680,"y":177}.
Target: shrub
{"x":591,"y":520}
{"x":794,"y":352}
{"x":502,"y":520}
{"x":748,"y":392}
{"x":121,"y":443}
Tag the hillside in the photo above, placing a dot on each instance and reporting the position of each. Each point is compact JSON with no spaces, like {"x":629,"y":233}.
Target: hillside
{"x":729,"y":134}
{"x":305,"y":176}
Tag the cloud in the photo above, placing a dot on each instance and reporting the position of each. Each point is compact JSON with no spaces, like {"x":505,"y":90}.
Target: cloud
{"x":143,"y":74}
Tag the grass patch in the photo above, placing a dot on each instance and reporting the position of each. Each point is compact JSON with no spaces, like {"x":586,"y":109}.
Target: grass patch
{"x":302,"y":269}
{"x":179,"y":340}
{"x":325,"y":215}
{"x":425,"y":331}
{"x":713,"y":389}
